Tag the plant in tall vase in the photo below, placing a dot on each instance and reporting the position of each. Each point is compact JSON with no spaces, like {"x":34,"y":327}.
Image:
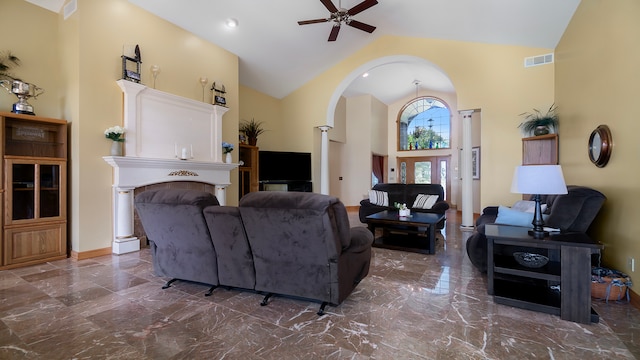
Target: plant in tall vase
{"x":115,"y":134}
{"x":251,"y":129}
{"x":537,"y":123}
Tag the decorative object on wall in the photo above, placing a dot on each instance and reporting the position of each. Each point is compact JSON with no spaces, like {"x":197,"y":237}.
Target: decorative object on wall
{"x":131,"y":64}
{"x":475,"y":163}
{"x":251,"y":129}
{"x":600,"y":146}
{"x":218,"y":98}
{"x":203,"y":81}
{"x":155,"y":70}
{"x":115,"y":134}
{"x":537,"y":123}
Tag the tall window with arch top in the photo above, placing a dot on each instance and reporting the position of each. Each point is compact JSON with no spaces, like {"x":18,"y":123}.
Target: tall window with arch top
{"x":424,"y":123}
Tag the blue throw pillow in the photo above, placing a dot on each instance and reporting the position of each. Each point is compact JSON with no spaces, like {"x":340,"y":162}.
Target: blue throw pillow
{"x":508,"y":216}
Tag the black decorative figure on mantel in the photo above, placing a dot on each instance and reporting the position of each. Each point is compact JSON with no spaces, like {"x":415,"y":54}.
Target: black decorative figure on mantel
{"x":128,"y":73}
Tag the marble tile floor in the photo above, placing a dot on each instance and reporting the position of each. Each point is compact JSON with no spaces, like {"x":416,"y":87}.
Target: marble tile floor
{"x":411,"y":306}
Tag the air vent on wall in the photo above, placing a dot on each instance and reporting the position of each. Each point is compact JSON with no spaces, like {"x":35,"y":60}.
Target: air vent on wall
{"x":538,"y":60}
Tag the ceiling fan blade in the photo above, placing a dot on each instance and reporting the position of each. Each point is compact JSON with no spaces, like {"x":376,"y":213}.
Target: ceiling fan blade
{"x":361,"y":7}
{"x":334,"y":33}
{"x":329,"y":5}
{"x":315,"y":21}
{"x":362,"y":26}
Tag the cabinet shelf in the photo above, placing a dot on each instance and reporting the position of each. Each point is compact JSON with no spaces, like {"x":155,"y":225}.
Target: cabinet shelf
{"x":508,"y":265}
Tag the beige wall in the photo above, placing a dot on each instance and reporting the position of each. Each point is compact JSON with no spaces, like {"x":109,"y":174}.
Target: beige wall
{"x":598,"y":82}
{"x":77,"y":61}
{"x":485,"y":76}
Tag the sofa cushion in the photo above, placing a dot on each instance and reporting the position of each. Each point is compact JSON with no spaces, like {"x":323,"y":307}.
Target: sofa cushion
{"x":527,"y":206}
{"x":380,"y":198}
{"x":424,"y":201}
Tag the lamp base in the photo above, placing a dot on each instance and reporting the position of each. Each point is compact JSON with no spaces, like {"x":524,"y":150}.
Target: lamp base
{"x":538,"y":234}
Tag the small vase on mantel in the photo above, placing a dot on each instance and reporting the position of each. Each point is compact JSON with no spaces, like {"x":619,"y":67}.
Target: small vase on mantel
{"x":116,"y":148}
{"x":227,"y":158}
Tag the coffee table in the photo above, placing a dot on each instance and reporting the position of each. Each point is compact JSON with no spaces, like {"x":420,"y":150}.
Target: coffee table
{"x":416,"y":228}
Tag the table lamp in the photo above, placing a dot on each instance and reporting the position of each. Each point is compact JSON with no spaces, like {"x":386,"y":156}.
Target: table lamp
{"x":538,"y":180}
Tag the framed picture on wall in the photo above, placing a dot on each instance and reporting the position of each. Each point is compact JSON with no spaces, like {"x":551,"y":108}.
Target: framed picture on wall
{"x":475,"y":163}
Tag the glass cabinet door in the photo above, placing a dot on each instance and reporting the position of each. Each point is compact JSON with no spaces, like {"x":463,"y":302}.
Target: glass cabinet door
{"x":36,"y":190}
{"x":23,"y":184}
{"x":49,"y":190}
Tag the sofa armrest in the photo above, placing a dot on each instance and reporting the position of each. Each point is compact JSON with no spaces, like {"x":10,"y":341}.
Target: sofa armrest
{"x":361,"y":239}
{"x":367,"y":208}
{"x":490,"y":210}
{"x":440,"y":206}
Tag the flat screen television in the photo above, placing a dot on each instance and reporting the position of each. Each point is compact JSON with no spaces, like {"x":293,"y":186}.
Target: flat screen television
{"x":277,"y":166}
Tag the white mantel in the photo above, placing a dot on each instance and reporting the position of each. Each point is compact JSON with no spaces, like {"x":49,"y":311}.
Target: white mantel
{"x":158,"y":126}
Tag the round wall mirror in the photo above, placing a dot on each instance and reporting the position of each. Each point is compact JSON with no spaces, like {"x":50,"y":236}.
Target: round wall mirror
{"x":600,"y":144}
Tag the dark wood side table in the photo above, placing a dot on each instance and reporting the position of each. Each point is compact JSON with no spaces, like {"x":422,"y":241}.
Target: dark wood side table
{"x":536,"y":289}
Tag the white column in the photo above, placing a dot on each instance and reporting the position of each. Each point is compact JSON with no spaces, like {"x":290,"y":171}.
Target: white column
{"x":221,"y":194}
{"x":124,"y":241}
{"x":466,"y":171}
{"x":324,"y":159}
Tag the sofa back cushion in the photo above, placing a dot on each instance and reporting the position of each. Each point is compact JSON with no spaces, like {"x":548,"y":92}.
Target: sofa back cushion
{"x":174,"y":222}
{"x":407,"y":193}
{"x":574,"y":211}
{"x":296,"y":240}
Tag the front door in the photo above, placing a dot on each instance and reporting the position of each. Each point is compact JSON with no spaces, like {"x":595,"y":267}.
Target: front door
{"x":427,"y":170}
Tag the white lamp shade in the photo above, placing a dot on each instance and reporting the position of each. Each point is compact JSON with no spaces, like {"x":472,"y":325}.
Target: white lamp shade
{"x":538,"y":180}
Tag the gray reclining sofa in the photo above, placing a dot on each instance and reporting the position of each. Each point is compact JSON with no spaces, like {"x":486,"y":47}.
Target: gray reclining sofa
{"x":284,"y":243}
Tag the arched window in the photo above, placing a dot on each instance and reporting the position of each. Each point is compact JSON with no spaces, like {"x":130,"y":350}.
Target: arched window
{"x":424,"y":123}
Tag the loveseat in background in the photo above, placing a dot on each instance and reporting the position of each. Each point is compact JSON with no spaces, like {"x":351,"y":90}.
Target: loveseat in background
{"x":287,"y":243}
{"x":405,"y":194}
{"x":571,"y":212}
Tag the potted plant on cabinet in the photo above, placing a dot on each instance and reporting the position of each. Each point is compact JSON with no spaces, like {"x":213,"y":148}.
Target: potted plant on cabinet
{"x":251,"y":129}
{"x":7,"y":61}
{"x":537,"y":123}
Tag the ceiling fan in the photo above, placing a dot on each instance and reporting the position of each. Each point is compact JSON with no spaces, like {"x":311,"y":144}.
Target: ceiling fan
{"x":340,"y":16}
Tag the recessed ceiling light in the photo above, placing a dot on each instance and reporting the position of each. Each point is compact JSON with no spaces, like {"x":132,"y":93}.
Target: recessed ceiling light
{"x":231,"y":22}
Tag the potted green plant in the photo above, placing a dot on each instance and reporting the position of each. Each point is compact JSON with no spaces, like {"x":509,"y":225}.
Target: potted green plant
{"x":251,"y":129}
{"x":537,"y":123}
{"x":7,"y":61}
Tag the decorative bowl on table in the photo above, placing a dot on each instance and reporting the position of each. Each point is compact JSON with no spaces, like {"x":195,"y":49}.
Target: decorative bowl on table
{"x":530,"y":260}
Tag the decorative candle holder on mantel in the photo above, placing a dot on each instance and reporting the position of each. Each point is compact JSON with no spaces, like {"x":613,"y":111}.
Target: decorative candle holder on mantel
{"x":184,"y":153}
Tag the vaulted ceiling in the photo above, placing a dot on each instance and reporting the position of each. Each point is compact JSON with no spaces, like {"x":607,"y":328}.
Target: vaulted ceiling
{"x":277,"y":55}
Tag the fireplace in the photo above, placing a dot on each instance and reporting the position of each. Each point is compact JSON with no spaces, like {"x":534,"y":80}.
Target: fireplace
{"x":168,"y":139}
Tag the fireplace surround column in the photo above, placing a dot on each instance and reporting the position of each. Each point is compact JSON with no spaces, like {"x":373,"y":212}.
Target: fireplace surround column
{"x":124,"y":241}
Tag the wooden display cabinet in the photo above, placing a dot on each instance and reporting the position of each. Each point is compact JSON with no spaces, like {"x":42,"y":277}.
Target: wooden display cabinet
{"x":248,"y":171}
{"x":34,"y":218}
